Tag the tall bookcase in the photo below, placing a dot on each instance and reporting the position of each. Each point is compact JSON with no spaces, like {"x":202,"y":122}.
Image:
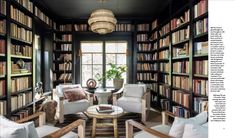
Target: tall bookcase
{"x":178,"y":48}
{"x":62,"y":54}
{"x":17,"y":52}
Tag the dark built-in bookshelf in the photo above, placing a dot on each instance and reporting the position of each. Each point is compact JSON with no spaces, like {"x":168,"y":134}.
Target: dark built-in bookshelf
{"x":17,"y":52}
{"x":172,"y":59}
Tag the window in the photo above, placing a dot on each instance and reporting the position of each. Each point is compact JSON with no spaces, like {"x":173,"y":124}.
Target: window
{"x":96,"y":57}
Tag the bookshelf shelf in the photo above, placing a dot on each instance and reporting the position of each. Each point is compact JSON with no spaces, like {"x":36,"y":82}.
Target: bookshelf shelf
{"x":180,"y":74}
{"x":21,"y":57}
{"x":2,"y":55}
{"x":2,"y":16}
{"x":62,"y":42}
{"x":42,"y":23}
{"x":62,"y":52}
{"x":201,"y":17}
{"x":164,"y":35}
{"x":21,"y":74}
{"x":163,"y":60}
{"x":163,"y":48}
{"x":3,"y":97}
{"x":22,"y":8}
{"x":146,"y":61}
{"x":200,"y":95}
{"x":2,"y":35}
{"x":181,"y":42}
{"x":182,"y":90}
{"x":180,"y":58}
{"x":21,"y":41}
{"x":21,"y":91}
{"x":21,"y":25}
{"x":21,"y":108}
{"x":143,"y":42}
{"x":164,"y":72}
{"x":200,"y":56}
{"x":201,"y":35}
{"x":62,"y":71}
{"x":147,"y":71}
{"x":182,"y":106}
{"x":201,"y":76}
{"x":182,"y":26}
{"x":152,"y":51}
{"x":2,"y":76}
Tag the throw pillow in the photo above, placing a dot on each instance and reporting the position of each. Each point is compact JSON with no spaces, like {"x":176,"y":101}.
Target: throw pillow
{"x":13,"y":132}
{"x":195,"y":131}
{"x":74,"y":94}
{"x":133,"y":90}
{"x":177,"y":128}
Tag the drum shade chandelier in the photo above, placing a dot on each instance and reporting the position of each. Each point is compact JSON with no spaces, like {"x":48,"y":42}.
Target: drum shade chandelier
{"x":102,"y":21}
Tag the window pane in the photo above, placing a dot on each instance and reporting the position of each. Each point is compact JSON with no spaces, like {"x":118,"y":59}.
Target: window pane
{"x":97,"y":59}
{"x":121,"y":59}
{"x":86,"y":59}
{"x":116,"y":47}
{"x":97,"y":69}
{"x":86,"y":73}
{"x":110,"y":58}
{"x":91,"y":47}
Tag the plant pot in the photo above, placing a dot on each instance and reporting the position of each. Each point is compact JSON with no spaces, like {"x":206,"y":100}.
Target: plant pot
{"x":118,"y":83}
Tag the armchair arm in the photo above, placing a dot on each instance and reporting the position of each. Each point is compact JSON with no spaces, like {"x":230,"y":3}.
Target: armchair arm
{"x":115,"y":95}
{"x":80,"y":124}
{"x":90,"y":97}
{"x":131,"y":123}
{"x":40,"y":115}
{"x":165,"y":115}
{"x":60,"y":105}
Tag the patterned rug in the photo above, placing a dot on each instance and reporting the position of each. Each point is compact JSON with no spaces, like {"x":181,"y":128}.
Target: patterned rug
{"x":102,"y":132}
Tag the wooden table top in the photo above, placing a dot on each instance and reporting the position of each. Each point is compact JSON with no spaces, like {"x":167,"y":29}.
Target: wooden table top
{"x":92,"y":112}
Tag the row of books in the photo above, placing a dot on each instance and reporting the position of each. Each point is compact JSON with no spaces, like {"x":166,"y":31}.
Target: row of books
{"x":201,"y":67}
{"x":15,"y":68}
{"x":154,"y":24}
{"x":143,"y":27}
{"x":144,"y":47}
{"x":66,"y":37}
{"x":145,"y":57}
{"x":147,"y":76}
{"x":201,"y":48}
{"x":201,"y":26}
{"x":3,"y":7}
{"x":21,"y":83}
{"x":181,"y":51}
{"x":181,"y":82}
{"x":22,"y":114}
{"x":21,"y":100}
{"x":164,"y":67}
{"x":62,"y":57}
{"x":181,"y":98}
{"x":142,"y":37}
{"x":200,"y":104}
{"x":180,"y":111}
{"x":27,"y":4}
{"x":81,"y":27}
{"x":164,"y":78}
{"x":146,"y":66}
{"x":200,"y":87}
{"x":164,"y":91}
{"x":176,"y":22}
{"x":155,"y":45}
{"x":3,"y":107}
{"x":42,"y":16}
{"x":19,"y":16}
{"x":124,"y":27}
{"x":154,"y":36}
{"x":165,"y":29}
{"x":2,"y":68}
{"x":152,"y":86}
{"x":65,"y":77}
{"x":181,"y":67}
{"x":65,"y":27}
{"x":21,"y":50}
{"x":200,"y":8}
{"x":65,"y":66}
{"x":180,"y":35}
{"x":164,"y":42}
{"x":3,"y":26}
{"x":164,"y":54}
{"x":63,"y":47}
{"x":2,"y":87}
{"x":2,"y":46}
{"x":165,"y":104}
{"x":21,"y":33}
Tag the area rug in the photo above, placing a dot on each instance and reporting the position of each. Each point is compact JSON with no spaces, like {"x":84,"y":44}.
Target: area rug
{"x":102,"y":132}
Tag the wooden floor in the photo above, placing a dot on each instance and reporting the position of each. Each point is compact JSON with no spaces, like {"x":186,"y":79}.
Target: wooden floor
{"x":154,"y":118}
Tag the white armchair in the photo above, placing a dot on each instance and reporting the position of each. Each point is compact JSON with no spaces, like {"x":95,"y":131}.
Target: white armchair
{"x":65,"y":107}
{"x":133,"y":98}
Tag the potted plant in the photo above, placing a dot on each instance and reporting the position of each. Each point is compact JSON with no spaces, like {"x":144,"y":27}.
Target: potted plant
{"x":115,"y":73}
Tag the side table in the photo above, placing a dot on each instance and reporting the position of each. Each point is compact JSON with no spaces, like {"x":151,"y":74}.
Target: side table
{"x":102,"y":96}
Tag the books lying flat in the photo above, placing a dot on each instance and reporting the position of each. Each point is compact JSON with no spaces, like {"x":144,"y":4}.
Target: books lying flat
{"x":105,"y":108}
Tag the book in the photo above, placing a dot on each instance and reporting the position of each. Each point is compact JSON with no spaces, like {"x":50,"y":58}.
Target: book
{"x":182,"y":51}
{"x":201,"y":26}
{"x":181,"y":67}
{"x":21,"y":33}
{"x":2,"y":88}
{"x":154,"y":24}
{"x":105,"y":109}
{"x":164,"y":42}
{"x":165,"y":29}
{"x":180,"y":35}
{"x":143,"y":27}
{"x":201,"y":48}
{"x":2,"y":47}
{"x":121,"y":27}
{"x":21,"y":83}
{"x":27,"y":4}
{"x":3,"y":7}
{"x":42,"y":16}
{"x":142,"y":37}
{"x":66,"y":27}
{"x":20,"y":17}
{"x":176,"y":22}
{"x":2,"y":26}
{"x":200,"y":8}
{"x":3,"y":107}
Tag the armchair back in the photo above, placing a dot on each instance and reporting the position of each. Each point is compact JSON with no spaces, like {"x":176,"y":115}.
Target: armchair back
{"x":134,"y":90}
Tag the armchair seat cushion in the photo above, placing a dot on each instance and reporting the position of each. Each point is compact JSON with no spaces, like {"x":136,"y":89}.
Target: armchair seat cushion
{"x":161,"y":128}
{"x":76,"y":106}
{"x":46,"y":129}
{"x":130,"y":104}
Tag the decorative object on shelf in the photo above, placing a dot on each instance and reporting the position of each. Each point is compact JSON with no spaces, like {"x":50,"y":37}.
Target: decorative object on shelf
{"x":91,"y":84}
{"x":21,"y":64}
{"x":38,"y":90}
{"x":115,"y":73}
{"x":102,"y":21}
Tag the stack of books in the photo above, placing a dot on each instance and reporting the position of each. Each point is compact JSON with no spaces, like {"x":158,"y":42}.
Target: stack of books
{"x":105,"y":108}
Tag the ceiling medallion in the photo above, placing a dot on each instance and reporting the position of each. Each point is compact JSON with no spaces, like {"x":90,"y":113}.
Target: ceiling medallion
{"x":102,"y":21}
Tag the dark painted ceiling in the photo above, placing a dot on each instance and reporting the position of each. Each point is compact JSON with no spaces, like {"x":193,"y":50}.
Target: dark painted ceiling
{"x":81,"y":9}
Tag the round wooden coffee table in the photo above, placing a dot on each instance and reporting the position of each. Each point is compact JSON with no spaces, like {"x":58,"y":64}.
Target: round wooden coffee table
{"x":92,"y":112}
